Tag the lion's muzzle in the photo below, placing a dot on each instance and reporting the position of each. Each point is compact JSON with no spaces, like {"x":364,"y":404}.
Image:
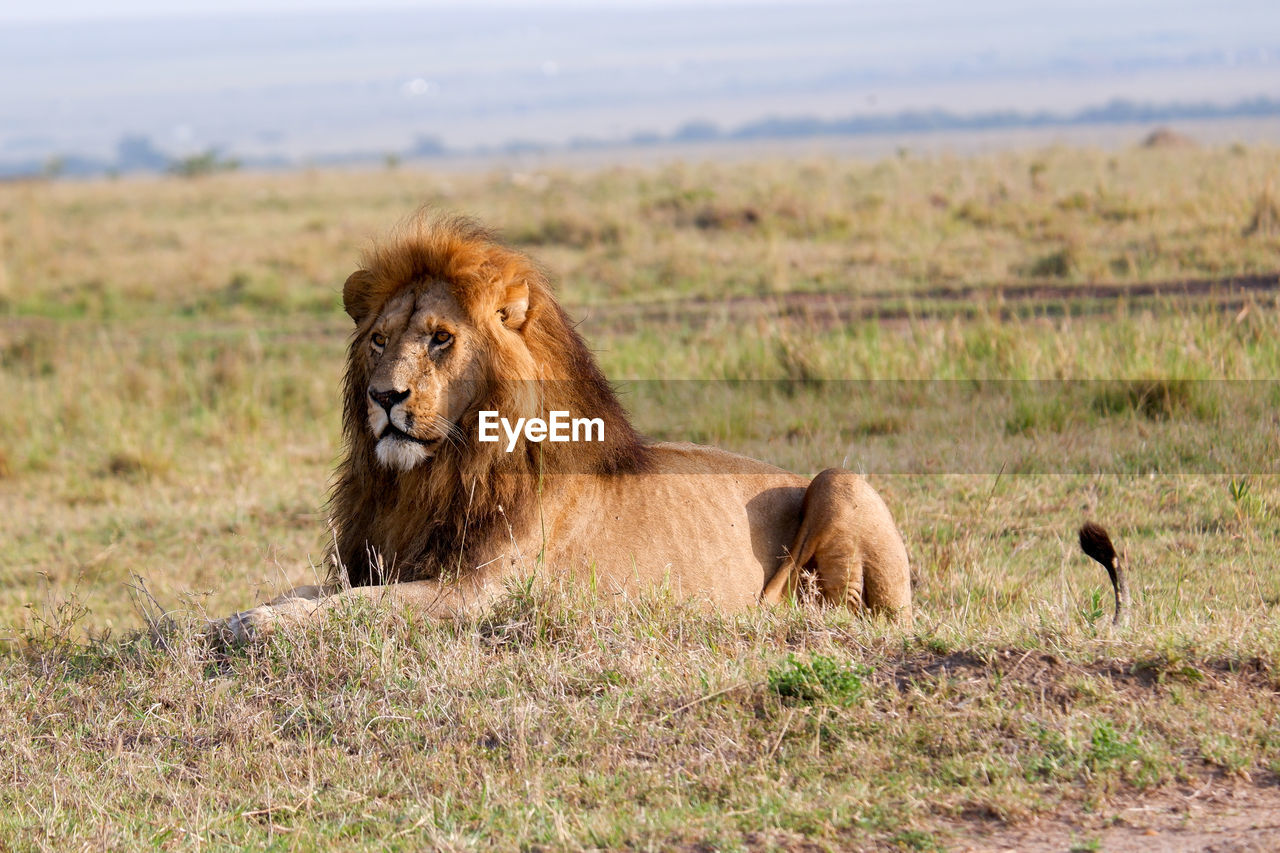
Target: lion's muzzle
{"x":392,"y":423}
{"x":388,"y":399}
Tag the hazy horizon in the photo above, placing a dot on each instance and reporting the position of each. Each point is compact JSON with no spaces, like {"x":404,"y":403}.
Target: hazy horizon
{"x":290,"y":84}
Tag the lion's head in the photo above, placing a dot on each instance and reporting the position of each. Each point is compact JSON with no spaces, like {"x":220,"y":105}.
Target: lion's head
{"x":450,"y":322}
{"x":427,"y":362}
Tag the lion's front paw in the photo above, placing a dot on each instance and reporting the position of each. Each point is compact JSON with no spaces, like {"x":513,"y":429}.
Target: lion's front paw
{"x":258,"y":623}
{"x":243,"y":627}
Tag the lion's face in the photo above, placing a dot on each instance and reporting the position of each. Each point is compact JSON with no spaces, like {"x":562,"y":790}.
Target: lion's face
{"x":425,"y":369}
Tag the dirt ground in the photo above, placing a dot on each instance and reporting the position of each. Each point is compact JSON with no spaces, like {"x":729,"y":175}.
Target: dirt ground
{"x":1222,"y":814}
{"x":1221,"y":817}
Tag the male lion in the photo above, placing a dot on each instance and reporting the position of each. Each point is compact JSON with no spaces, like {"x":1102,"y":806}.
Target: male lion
{"x":449,"y":324}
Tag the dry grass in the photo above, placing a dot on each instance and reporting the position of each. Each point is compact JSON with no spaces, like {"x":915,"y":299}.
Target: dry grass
{"x":169,"y":354}
{"x":241,"y":245}
{"x":562,"y":722}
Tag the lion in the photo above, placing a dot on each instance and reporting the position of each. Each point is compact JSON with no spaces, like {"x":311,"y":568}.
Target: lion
{"x":452,"y":327}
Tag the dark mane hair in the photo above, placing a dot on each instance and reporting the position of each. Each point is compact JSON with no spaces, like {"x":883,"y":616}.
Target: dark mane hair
{"x":449,"y":513}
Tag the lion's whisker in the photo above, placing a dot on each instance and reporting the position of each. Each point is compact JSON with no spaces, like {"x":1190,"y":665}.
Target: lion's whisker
{"x":451,"y":431}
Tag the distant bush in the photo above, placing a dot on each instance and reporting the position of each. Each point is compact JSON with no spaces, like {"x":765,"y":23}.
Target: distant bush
{"x":207,"y":162}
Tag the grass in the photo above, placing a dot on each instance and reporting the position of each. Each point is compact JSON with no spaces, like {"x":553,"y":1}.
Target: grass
{"x":560,"y":722}
{"x":169,"y":358}
{"x":243,"y":245}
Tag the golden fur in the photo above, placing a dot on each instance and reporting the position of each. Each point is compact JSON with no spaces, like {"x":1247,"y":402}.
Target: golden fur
{"x":449,"y":322}
{"x":423,"y":518}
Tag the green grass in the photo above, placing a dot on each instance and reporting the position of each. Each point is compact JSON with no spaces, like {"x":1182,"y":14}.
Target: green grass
{"x":169,"y":358}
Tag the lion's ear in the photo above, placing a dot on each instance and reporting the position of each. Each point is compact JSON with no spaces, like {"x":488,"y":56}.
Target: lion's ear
{"x":356,"y":294}
{"x":515,"y":305}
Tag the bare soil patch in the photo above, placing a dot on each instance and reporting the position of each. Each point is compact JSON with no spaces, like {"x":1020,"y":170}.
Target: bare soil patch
{"x":1048,"y":670}
{"x":1222,"y":816}
{"x":1222,"y":813}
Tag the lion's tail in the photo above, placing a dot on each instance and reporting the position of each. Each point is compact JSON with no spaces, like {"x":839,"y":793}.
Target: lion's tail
{"x":1095,"y":542}
{"x":783,"y":584}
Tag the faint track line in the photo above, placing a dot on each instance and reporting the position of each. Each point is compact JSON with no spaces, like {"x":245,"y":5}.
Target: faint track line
{"x":827,"y":308}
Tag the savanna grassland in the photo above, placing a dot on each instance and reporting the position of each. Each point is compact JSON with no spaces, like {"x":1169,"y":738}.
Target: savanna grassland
{"x":169,"y":357}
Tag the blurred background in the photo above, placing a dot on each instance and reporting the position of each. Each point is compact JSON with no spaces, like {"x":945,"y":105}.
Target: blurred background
{"x":144,"y":85}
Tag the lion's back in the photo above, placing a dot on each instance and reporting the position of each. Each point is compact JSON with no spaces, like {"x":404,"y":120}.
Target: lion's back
{"x":679,"y":457}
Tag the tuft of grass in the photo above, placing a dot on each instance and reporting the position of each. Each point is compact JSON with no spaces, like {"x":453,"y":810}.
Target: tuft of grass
{"x":1095,"y":609}
{"x":1156,"y":399}
{"x":1108,"y":748}
{"x":915,"y":839}
{"x":1265,"y":220}
{"x":1061,"y":263}
{"x":818,"y":679}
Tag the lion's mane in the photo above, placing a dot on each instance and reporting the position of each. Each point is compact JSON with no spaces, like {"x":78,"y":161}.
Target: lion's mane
{"x":418,"y":524}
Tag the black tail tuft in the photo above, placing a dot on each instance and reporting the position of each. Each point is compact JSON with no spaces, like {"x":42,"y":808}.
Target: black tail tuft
{"x":1095,"y":542}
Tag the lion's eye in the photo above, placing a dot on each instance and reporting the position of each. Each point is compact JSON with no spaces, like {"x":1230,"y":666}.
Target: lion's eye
{"x":441,"y":338}
{"x":379,"y":340}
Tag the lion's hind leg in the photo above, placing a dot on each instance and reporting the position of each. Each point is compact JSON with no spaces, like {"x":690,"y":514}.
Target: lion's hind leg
{"x":847,"y":534}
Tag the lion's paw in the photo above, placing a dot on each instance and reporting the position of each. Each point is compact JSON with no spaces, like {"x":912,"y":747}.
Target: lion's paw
{"x":248,"y":626}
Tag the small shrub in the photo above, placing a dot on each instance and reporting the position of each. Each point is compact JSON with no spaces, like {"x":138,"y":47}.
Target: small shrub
{"x":1030,"y":416}
{"x":1153,"y":399}
{"x":798,"y":362}
{"x":125,"y":465}
{"x":1107,"y":749}
{"x":576,"y":232}
{"x":818,"y":679}
{"x":207,"y":162}
{"x":1167,"y":137}
{"x":1239,"y":489}
{"x":978,"y":215}
{"x":915,"y":839}
{"x":30,"y":354}
{"x":723,"y":218}
{"x":1037,"y":172}
{"x":1077,"y":200}
{"x":1094,"y":610}
{"x":1059,"y":264}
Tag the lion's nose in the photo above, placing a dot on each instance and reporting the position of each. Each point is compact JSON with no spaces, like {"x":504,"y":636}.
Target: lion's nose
{"x":387,"y":399}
